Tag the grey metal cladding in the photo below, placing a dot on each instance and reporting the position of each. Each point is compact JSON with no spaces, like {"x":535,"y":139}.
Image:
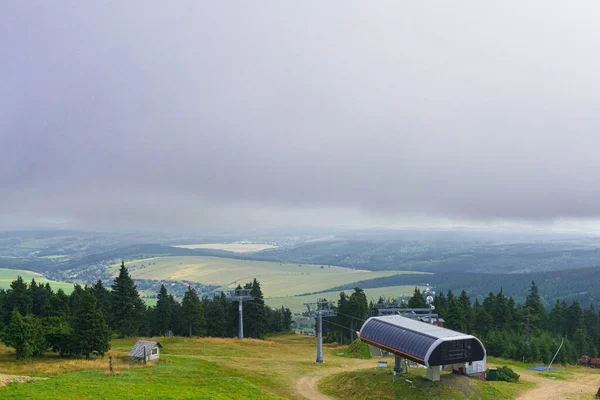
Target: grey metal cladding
{"x":394,"y":337}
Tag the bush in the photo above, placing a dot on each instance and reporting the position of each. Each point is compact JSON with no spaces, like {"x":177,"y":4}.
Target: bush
{"x":506,"y":374}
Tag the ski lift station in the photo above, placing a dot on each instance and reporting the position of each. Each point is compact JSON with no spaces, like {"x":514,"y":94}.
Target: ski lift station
{"x":434,"y":347}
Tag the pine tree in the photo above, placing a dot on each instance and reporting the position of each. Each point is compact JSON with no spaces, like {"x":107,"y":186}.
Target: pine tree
{"x":102,"y":296}
{"x":534,"y":312}
{"x":162,"y":311}
{"x":255,"y":316}
{"x":24,"y":334}
{"x":417,"y":300}
{"x":18,"y":297}
{"x":216,"y":317}
{"x":359,"y":307}
{"x":127,"y":309}
{"x":192,"y":313}
{"x":90,"y":332}
{"x":465,"y":303}
{"x":40,"y":295}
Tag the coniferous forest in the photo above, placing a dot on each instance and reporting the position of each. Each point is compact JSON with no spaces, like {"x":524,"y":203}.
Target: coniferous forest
{"x":34,"y":319}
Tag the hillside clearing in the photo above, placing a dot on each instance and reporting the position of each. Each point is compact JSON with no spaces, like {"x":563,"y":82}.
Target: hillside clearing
{"x":234,"y":247}
{"x":276,"y":279}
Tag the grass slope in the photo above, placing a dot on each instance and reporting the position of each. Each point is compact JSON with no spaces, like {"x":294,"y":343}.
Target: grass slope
{"x":296,"y":303}
{"x":276,"y":279}
{"x":9,"y":275}
{"x":206,"y":368}
{"x":377,"y":384}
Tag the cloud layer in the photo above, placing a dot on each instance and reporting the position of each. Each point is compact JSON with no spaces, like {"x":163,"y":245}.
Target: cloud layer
{"x":149,"y":114}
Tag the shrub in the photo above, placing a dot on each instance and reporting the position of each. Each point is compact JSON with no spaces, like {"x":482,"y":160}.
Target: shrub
{"x":506,"y":374}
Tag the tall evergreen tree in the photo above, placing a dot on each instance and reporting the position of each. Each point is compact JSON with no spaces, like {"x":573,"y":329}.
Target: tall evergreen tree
{"x":24,"y":334}
{"x":102,"y":296}
{"x":90,"y":332}
{"x":162,"y":311}
{"x":192,"y":313}
{"x":127,"y":308}
{"x":417,"y":300}
{"x":255,"y":316}
{"x":18,"y":297}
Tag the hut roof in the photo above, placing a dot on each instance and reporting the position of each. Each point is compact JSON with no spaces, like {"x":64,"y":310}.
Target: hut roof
{"x":138,"y":349}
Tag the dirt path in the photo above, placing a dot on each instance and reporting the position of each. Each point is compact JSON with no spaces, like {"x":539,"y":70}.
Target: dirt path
{"x":547,"y":389}
{"x":307,"y":386}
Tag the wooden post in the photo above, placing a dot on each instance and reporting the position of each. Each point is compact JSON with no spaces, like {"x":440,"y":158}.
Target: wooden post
{"x":145,"y":355}
{"x":110,"y":365}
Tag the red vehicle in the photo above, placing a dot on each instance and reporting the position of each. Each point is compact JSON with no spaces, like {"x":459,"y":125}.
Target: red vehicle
{"x":590,"y":362}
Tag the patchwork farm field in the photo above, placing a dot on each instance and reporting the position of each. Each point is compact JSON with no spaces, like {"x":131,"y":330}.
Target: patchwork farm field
{"x":277,"y":280}
{"x":234,"y":247}
{"x":296,"y":303}
{"x":8,"y":275}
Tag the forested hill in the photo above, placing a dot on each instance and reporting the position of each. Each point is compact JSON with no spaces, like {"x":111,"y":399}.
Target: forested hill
{"x":582,"y":285}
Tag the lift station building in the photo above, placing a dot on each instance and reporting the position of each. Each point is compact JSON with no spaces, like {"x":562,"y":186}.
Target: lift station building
{"x":427,"y":344}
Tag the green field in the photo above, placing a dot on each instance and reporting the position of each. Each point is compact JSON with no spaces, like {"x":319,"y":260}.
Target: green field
{"x":296,"y":303}
{"x":281,"y":367}
{"x":277,"y":280}
{"x":9,"y":275}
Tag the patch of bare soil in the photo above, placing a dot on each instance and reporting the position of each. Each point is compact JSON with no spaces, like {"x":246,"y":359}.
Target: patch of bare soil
{"x":546,"y":389}
{"x":6,"y":379}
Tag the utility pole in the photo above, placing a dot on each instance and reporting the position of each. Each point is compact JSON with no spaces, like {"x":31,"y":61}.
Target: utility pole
{"x":240,"y":295}
{"x":318,"y":310}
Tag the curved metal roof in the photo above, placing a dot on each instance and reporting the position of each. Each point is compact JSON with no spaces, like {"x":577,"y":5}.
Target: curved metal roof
{"x":424,"y":343}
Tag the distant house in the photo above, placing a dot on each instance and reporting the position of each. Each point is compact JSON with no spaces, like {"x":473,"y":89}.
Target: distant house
{"x":147,"y":347}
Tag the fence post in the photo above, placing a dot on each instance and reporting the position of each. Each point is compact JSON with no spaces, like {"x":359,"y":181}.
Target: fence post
{"x":145,"y":355}
{"x":110,"y":365}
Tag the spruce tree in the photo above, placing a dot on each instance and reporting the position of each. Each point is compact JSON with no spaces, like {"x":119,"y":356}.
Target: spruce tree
{"x":255,"y":316}
{"x":24,"y":334}
{"x":162,"y":311}
{"x":90,"y":332}
{"x":216,"y":317}
{"x":102,"y":296}
{"x":127,"y":308}
{"x":192,"y":313}
{"x":18,"y":297}
{"x":417,"y":300}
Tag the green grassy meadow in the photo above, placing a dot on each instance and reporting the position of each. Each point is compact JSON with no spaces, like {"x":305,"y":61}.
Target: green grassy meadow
{"x":277,"y":280}
{"x":211,"y":368}
{"x":203,"y":368}
{"x":8,"y":275}
{"x":296,"y":303}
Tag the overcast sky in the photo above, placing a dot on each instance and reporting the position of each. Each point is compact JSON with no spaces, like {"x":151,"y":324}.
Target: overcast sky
{"x":184,"y":114}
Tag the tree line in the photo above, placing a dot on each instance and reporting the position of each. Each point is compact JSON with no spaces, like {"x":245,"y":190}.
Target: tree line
{"x":35,"y":319}
{"x":525,"y":332}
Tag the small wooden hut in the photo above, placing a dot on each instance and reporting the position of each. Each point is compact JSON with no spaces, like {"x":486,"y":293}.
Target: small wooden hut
{"x":145,"y":347}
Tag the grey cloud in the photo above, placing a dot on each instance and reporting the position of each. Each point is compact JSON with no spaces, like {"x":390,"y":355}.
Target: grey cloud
{"x":271,"y":112}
